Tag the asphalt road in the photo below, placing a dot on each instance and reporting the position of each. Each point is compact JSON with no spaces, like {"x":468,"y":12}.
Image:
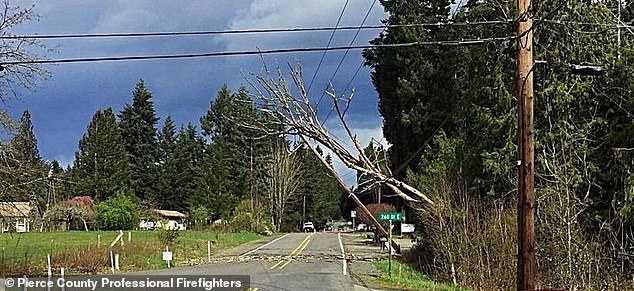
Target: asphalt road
{"x":296,"y":261}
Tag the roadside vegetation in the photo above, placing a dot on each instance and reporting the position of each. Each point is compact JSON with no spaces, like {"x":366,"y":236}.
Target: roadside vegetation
{"x":89,"y":252}
{"x":406,"y":277}
{"x":450,"y":114}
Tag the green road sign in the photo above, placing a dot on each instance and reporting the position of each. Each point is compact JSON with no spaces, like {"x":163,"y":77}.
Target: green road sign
{"x":390,"y":216}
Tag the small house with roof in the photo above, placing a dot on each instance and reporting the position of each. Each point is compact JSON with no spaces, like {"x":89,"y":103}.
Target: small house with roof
{"x":167,"y":219}
{"x":17,"y":216}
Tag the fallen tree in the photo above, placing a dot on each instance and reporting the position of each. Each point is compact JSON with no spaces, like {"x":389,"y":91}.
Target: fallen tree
{"x":294,"y":114}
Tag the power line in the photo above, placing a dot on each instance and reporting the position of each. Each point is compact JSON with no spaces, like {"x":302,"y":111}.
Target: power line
{"x":334,"y":74}
{"x":255,"y":52}
{"x":356,"y":72}
{"x":246,"y":31}
{"x":343,"y":10}
{"x":581,"y":23}
{"x":540,"y":21}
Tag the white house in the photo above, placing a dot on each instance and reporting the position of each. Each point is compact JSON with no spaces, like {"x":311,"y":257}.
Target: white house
{"x":17,"y":216}
{"x":170,"y":219}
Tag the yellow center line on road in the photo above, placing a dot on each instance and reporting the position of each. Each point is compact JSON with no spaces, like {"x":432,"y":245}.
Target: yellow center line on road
{"x":298,"y":253}
{"x":298,"y":250}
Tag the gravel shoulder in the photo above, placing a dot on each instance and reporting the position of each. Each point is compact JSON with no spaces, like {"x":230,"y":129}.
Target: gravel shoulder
{"x":361,"y":252}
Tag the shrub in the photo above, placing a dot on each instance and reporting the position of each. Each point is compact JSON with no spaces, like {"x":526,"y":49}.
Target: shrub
{"x":199,"y":216}
{"x":246,"y":218}
{"x":472,"y":242}
{"x":78,"y":212}
{"x":118,"y":212}
{"x":168,"y":236}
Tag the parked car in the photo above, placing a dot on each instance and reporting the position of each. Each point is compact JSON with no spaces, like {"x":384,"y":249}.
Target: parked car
{"x":328,"y":227}
{"x":341,"y":227}
{"x":361,"y":227}
{"x":308,"y":227}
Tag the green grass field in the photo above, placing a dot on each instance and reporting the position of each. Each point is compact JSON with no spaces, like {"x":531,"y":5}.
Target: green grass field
{"x":80,"y":252}
{"x":406,"y":277}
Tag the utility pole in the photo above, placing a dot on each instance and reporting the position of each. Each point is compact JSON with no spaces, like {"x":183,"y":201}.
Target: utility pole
{"x":526,"y":203}
{"x":304,"y":210}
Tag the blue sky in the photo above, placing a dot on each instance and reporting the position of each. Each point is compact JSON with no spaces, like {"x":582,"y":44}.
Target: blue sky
{"x":63,"y":105}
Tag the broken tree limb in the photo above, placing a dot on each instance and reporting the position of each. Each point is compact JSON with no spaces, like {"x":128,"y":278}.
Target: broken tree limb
{"x":351,"y":194}
{"x":293,"y":113}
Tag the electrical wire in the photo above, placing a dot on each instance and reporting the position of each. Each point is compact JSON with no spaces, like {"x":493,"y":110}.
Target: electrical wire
{"x":252,"y":52}
{"x":334,"y":74}
{"x":246,"y":31}
{"x":541,"y":20}
{"x":356,"y":72}
{"x":332,"y":35}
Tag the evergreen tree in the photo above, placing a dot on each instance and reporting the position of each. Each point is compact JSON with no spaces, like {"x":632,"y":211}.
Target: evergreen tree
{"x":187,"y":160}
{"x":322,"y":192}
{"x":166,"y":186}
{"x":233,"y":164}
{"x":101,"y":165}
{"x":415,"y":84}
{"x":465,"y":107}
{"x":24,"y":143}
{"x":138,"y":128}
{"x":25,"y":168}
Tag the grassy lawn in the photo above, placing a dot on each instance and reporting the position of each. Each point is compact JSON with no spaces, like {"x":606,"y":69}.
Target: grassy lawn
{"x":80,"y":252}
{"x":405,"y":277}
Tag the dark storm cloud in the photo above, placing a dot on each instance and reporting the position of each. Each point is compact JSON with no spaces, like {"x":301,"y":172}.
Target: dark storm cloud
{"x":63,"y":105}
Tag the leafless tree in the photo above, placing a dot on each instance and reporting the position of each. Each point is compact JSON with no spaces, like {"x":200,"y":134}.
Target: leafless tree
{"x":284,"y":178}
{"x":15,"y":48}
{"x":25,"y":75}
{"x":292,"y":110}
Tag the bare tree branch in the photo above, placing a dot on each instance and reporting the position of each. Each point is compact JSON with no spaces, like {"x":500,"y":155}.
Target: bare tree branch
{"x":296,"y":114}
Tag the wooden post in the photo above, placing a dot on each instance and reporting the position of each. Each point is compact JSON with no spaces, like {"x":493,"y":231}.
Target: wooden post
{"x":167,"y":249}
{"x":389,"y":249}
{"x":112,"y":262}
{"x":526,"y":201}
{"x":208,"y":251}
{"x":61,"y":271}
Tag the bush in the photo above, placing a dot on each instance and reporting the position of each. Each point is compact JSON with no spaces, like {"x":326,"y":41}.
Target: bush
{"x":472,"y":242}
{"x":168,"y":236}
{"x":119,"y":212}
{"x":247,"y":219}
{"x":200,"y":216}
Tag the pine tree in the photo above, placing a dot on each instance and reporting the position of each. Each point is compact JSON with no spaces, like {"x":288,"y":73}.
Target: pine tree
{"x":233,"y":163}
{"x":101,"y":165}
{"x":187,"y":160}
{"x":138,"y":128}
{"x":583,"y":124}
{"x":25,"y":143}
{"x":26,"y":169}
{"x":323,"y":193}
{"x":416,"y":84}
{"x":166,"y":185}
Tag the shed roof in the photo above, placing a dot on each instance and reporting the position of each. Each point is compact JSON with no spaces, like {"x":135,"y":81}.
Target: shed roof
{"x":15,"y":209}
{"x":169,"y":213}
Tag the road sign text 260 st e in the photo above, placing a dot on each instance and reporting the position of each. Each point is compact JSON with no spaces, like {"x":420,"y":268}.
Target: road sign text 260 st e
{"x":390,"y":216}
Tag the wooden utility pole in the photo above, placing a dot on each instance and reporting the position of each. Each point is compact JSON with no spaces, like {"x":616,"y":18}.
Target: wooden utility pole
{"x":526,"y":203}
